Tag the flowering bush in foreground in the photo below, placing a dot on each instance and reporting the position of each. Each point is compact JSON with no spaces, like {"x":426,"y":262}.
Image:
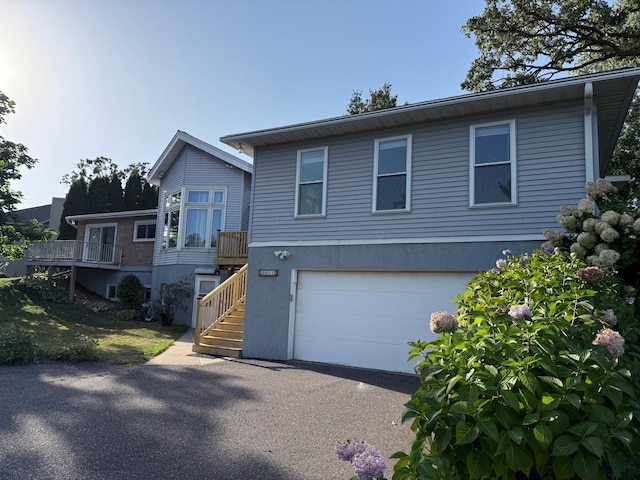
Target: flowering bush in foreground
{"x":367,"y":462}
{"x":606,"y":237}
{"x":534,"y":383}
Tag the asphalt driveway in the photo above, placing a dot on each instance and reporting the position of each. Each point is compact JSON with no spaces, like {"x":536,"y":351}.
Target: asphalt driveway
{"x":232,"y":419}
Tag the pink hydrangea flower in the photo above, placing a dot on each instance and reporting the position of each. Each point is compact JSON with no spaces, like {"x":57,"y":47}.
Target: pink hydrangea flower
{"x":520,"y":311}
{"x":612,"y":341}
{"x":443,"y":322}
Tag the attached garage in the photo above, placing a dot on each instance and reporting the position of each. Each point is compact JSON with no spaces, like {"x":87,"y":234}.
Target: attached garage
{"x":365,"y":319}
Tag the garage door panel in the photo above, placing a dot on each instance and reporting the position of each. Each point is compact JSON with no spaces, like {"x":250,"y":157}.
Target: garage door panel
{"x":367,"y":318}
{"x":375,"y":355}
{"x":363,"y":328}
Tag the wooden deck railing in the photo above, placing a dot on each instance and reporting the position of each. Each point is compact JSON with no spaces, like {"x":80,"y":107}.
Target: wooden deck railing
{"x":220,"y":301}
{"x":232,"y":247}
{"x":67,"y":252}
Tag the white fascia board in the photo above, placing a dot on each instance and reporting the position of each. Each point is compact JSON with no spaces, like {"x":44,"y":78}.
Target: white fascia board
{"x":392,"y":241}
{"x":112,"y":215}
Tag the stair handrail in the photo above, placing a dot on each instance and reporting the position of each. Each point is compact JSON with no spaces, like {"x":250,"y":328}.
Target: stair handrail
{"x":215,"y":305}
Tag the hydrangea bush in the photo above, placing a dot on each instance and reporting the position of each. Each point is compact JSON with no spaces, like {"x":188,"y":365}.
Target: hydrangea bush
{"x":602,"y":230}
{"x":534,"y":382}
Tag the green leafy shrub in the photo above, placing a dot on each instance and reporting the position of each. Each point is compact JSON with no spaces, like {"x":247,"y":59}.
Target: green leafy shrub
{"x":55,"y":291}
{"x":131,"y":291}
{"x":81,"y":349}
{"x":534,"y":382}
{"x":127,"y":315}
{"x":171,"y":298}
{"x":17,"y":346}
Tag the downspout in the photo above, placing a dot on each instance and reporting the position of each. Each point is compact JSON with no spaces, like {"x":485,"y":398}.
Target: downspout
{"x":590,"y":140}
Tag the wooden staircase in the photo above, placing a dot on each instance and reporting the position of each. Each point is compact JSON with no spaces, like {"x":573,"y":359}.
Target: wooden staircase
{"x":225,"y":337}
{"x":220,"y":318}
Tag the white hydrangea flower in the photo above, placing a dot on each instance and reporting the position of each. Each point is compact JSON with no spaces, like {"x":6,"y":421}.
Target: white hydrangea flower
{"x":593,"y":259}
{"x":587,"y":240}
{"x":611,"y":217}
{"x":568,"y":211}
{"x":589,"y":225}
{"x":625,"y":220}
{"x":601,"y":227}
{"x":609,"y":235}
{"x":585,"y":205}
{"x":636,"y":225}
{"x":578,"y":249}
{"x":554,"y":236}
{"x":608,"y":258}
{"x":599,"y":248}
{"x":568,"y":222}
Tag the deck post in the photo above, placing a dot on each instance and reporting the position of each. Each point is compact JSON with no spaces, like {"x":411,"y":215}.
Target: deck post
{"x":72,"y":277}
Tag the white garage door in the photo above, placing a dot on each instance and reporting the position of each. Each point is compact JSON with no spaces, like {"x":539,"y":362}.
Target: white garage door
{"x":365,"y":319}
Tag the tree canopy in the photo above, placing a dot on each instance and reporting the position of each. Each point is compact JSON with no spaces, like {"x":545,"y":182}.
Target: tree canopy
{"x":14,"y":231}
{"x":378,"y":100}
{"x":95,"y":186}
{"x":527,"y":41}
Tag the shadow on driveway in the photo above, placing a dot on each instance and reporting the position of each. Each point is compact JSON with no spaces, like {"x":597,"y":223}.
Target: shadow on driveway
{"x":226,"y":420}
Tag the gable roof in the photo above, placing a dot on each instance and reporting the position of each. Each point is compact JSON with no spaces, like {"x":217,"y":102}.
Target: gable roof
{"x":613,"y":92}
{"x":180,"y":139}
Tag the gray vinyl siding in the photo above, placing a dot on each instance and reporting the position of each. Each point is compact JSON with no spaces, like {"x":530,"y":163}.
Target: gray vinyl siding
{"x":550,"y":173}
{"x":195,"y":168}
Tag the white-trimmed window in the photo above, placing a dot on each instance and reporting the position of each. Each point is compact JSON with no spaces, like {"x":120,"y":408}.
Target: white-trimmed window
{"x":392,"y":174}
{"x":144,"y":231}
{"x":112,"y":292}
{"x":493,"y":164}
{"x":311,"y":182}
{"x":204,"y":215}
{"x":171,"y":225}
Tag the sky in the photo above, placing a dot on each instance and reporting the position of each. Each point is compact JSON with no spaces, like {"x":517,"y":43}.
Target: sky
{"x":118,"y":78}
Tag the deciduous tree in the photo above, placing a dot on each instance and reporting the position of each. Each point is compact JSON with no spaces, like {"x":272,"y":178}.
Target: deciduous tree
{"x":528,"y":41}
{"x":14,"y":231}
{"x":378,"y":100}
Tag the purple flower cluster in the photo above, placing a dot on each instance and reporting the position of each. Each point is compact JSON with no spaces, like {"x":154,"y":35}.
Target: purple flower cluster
{"x":366,"y":460}
{"x":520,"y":311}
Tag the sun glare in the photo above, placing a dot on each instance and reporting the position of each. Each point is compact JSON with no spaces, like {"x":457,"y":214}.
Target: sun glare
{"x":5,"y":71}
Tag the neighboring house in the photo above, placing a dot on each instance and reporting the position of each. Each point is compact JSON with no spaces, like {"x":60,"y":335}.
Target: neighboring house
{"x":48,"y":216}
{"x":361,"y":226}
{"x":107,"y":247}
{"x":204,"y":193}
{"x":123,"y":239}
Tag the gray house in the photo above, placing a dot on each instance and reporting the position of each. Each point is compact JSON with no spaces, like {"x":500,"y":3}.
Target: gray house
{"x":363,"y":225}
{"x":204,"y":195}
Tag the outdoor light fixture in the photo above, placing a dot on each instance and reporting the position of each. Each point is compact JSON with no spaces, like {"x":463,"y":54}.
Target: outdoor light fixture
{"x":282,"y":254}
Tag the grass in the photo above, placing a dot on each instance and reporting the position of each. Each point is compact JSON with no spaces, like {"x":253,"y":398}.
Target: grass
{"x":53,"y":325}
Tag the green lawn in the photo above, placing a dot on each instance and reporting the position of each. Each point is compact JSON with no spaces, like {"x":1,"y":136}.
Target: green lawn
{"x":121,"y":342}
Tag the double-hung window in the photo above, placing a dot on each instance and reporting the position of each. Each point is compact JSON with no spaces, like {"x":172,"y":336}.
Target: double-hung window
{"x":311,"y":182}
{"x":493,"y":164}
{"x":204,"y":212}
{"x":392,"y":174}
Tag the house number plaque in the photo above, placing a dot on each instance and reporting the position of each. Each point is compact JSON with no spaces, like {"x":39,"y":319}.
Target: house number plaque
{"x":268,"y":273}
